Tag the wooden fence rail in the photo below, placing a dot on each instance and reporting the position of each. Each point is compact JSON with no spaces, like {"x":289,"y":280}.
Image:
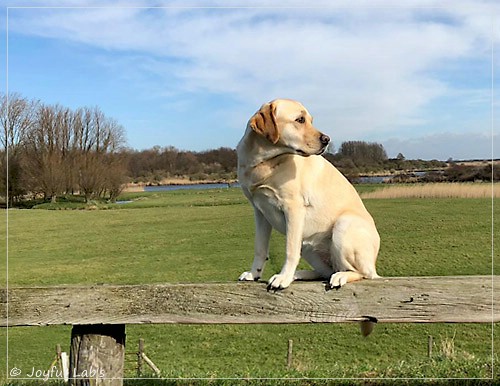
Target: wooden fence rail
{"x":408,"y":300}
{"x":99,"y":313}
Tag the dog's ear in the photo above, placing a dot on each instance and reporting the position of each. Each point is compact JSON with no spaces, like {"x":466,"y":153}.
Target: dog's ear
{"x":264,"y":122}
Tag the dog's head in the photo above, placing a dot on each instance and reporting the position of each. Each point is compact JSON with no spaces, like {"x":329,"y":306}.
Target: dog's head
{"x":288,"y":124}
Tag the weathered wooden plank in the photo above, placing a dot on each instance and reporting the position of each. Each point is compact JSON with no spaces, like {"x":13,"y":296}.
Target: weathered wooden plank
{"x":410,"y":299}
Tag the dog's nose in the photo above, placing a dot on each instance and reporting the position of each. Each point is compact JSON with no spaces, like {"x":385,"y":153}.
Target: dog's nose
{"x":324,"y":139}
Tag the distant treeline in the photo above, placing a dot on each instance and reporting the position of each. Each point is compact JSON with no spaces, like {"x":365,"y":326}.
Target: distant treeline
{"x":353,"y":158}
{"x":151,"y":166}
{"x":356,"y":158}
{"x":54,"y":151}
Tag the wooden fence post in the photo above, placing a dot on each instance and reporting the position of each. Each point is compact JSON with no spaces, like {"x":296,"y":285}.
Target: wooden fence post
{"x":140,"y":359}
{"x":289,"y":356}
{"x":97,"y":355}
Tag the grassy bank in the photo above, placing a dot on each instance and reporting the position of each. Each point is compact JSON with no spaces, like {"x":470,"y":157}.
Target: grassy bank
{"x":437,"y":190}
{"x":207,"y":236}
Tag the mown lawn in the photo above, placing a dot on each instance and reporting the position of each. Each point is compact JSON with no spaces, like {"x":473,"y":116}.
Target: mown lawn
{"x":207,"y":236}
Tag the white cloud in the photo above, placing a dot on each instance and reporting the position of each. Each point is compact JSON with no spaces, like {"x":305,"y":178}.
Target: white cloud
{"x":371,"y":68}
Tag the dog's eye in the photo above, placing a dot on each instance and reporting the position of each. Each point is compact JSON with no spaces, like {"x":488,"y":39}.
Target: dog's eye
{"x":300,"y":120}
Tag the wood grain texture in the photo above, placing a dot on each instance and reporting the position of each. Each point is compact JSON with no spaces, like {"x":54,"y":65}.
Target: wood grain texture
{"x":97,"y":355}
{"x":407,"y":300}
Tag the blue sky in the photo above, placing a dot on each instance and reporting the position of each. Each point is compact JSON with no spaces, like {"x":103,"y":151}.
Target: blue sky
{"x":415,"y":77}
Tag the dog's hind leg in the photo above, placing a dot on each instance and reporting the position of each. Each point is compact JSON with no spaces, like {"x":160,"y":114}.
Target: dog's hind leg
{"x":321,"y":269}
{"x":354,"y":250}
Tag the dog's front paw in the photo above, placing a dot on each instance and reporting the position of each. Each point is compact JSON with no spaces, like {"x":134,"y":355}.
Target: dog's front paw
{"x":279,"y":282}
{"x":248,"y":276}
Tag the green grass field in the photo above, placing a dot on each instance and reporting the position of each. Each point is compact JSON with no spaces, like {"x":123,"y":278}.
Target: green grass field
{"x":207,"y":236}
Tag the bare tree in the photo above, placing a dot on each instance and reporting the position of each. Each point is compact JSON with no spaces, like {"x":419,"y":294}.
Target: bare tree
{"x":116,"y":175}
{"x":16,"y":118}
{"x":55,"y":150}
{"x":45,"y":155}
{"x":98,"y":137}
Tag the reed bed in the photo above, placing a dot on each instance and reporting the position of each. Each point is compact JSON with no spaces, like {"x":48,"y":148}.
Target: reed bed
{"x":437,"y":190}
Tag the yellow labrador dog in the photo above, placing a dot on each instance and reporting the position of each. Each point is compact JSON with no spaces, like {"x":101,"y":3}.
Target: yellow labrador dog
{"x":294,"y":190}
